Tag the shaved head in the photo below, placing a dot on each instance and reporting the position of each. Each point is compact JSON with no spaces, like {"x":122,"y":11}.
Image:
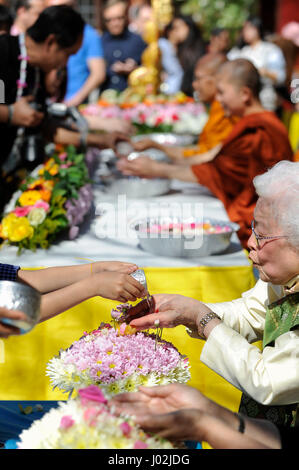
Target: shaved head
{"x":211,"y":62}
{"x":243,"y":73}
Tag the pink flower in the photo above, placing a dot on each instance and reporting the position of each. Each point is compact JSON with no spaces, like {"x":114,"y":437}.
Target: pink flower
{"x":62,"y":156}
{"x":93,"y":393}
{"x":66,"y":422}
{"x":126,"y":428}
{"x":140,"y":445}
{"x":22,"y":211}
{"x":42,"y":205}
{"x":66,"y":165}
{"x":122,"y":328}
{"x":21,"y":84}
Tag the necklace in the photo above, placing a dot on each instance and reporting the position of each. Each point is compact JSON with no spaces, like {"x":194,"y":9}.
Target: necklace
{"x":15,"y":155}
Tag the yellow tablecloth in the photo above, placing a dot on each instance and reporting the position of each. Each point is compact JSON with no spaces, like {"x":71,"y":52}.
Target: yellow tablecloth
{"x":23,"y":359}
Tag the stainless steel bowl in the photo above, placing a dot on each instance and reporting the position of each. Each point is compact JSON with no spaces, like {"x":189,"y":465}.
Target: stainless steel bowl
{"x":17,"y":296}
{"x":135,"y":187}
{"x":183,"y":245}
{"x":168,"y":138}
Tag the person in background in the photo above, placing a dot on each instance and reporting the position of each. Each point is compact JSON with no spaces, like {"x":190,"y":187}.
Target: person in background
{"x":5,"y":20}
{"x":218,"y":125}
{"x":56,"y":34}
{"x":268,"y":375}
{"x":257,"y":141}
{"x":186,"y":37}
{"x":26,"y":13}
{"x":267,"y":58}
{"x":182,"y":413}
{"x":62,"y":287}
{"x":86,"y":70}
{"x":219,"y":41}
{"x":122,"y":48}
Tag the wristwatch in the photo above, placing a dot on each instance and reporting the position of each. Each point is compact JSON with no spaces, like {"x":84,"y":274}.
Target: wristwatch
{"x":204,"y":321}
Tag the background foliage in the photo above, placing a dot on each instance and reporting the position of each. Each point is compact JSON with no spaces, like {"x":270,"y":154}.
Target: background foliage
{"x":210,"y":14}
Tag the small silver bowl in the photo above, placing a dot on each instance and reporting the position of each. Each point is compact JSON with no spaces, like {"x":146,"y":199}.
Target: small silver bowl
{"x":135,"y":187}
{"x":186,"y":244}
{"x":17,"y":296}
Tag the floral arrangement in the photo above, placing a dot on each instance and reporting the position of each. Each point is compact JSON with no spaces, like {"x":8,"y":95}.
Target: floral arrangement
{"x":87,"y":422}
{"x":186,"y":118}
{"x":117,"y":358}
{"x":54,"y":198}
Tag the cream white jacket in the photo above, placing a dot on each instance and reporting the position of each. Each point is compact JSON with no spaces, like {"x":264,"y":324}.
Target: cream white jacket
{"x":270,"y":376}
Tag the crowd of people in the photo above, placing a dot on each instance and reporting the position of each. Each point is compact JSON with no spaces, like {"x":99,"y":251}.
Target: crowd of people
{"x":243,"y":156}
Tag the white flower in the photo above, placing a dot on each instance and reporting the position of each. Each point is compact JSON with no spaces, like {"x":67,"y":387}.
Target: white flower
{"x":36,"y":216}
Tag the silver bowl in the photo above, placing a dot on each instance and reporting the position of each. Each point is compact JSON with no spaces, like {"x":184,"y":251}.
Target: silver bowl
{"x":168,"y":138}
{"x":135,"y":187}
{"x":184,"y":244}
{"x":17,"y":296}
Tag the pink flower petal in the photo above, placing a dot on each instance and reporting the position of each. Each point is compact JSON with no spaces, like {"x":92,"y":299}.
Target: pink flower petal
{"x":66,"y":422}
{"x":140,"y":445}
{"x":93,"y":393}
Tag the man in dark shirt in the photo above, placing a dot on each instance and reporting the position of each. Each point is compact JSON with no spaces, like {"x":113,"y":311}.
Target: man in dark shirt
{"x":122,"y":48}
{"x":25,"y":59}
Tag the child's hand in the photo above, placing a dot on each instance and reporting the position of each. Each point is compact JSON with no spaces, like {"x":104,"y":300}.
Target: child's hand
{"x":118,"y":286}
{"x":121,"y":267}
{"x":6,"y":329}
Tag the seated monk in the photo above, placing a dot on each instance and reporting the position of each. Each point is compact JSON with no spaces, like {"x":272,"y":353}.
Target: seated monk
{"x":218,"y":126}
{"x":256,"y":143}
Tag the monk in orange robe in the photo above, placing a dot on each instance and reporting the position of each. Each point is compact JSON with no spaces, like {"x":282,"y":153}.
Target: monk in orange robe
{"x":218,"y":125}
{"x":256,"y":143}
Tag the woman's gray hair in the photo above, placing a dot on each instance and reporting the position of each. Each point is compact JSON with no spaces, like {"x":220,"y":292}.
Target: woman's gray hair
{"x":279,"y":186}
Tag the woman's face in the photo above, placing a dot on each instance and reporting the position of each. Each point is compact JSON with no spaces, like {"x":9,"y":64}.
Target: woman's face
{"x":275,"y":259}
{"x":250,"y":33}
{"x":179,"y":31}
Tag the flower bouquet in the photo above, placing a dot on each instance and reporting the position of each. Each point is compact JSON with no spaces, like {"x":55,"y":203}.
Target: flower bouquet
{"x":87,"y":422}
{"x":54,"y":198}
{"x":117,"y":359}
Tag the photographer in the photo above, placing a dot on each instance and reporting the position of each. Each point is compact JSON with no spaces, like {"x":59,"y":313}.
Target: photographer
{"x":47,"y":44}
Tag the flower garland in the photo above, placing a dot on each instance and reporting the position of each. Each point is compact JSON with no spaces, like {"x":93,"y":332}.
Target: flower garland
{"x":54,"y":200}
{"x":117,"y":359}
{"x":87,"y":422}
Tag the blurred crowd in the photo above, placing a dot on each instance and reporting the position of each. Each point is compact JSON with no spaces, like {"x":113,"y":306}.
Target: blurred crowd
{"x":113,"y":49}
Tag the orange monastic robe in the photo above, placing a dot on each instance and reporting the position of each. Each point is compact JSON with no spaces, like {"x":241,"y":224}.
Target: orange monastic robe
{"x":215,"y":131}
{"x":256,"y":143}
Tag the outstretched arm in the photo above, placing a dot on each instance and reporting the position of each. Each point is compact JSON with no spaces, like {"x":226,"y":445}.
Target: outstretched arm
{"x":50,"y":279}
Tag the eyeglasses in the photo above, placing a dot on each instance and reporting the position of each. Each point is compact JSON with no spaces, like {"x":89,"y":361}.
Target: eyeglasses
{"x":116,"y":18}
{"x":259,"y":238}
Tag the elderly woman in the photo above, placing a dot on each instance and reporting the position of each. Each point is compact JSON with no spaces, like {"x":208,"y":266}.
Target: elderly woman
{"x":268,"y":312}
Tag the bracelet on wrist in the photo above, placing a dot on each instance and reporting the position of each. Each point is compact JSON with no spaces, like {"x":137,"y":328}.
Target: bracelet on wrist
{"x":204,"y":321}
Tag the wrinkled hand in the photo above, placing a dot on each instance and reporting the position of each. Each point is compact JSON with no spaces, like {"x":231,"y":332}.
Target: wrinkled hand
{"x":118,"y":286}
{"x":173,"y":310}
{"x":24,"y":114}
{"x":8,"y":330}
{"x":143,"y":167}
{"x":159,"y":400}
{"x":179,"y":425}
